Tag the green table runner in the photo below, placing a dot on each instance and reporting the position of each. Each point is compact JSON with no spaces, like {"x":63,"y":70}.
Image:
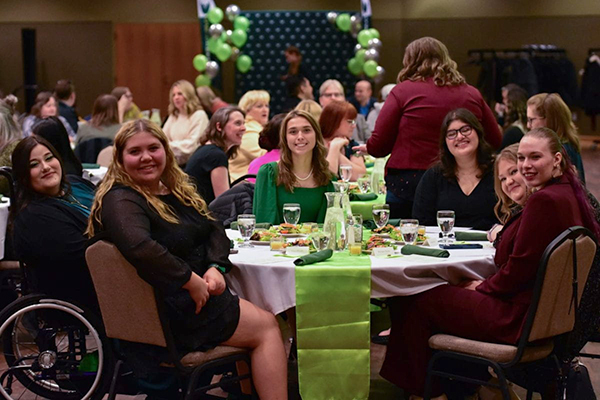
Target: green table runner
{"x":365,"y":208}
{"x":333,"y":328}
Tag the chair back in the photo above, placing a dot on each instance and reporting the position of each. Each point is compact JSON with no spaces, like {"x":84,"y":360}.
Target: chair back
{"x":87,"y":152}
{"x":127,"y":302}
{"x":562,"y":276}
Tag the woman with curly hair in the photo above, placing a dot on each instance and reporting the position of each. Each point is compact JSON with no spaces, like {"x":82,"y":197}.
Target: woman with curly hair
{"x":463,"y":179}
{"x":148,"y":208}
{"x":429,"y":86}
{"x":187,"y":120}
{"x":300,"y":176}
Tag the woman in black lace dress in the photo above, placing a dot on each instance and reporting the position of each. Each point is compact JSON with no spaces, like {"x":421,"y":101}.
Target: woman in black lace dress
{"x":147,"y":207}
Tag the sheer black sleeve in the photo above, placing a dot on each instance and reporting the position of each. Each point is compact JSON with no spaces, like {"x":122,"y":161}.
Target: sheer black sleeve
{"x":218,"y":247}
{"x":127,"y":221}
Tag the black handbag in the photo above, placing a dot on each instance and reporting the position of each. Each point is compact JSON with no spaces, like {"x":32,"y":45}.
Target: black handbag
{"x":576,"y":383}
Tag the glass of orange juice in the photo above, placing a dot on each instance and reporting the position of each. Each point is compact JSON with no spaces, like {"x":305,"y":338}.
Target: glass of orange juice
{"x":277,"y":243}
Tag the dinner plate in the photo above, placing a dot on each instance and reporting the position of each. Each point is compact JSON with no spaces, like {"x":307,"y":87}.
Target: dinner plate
{"x":259,"y":243}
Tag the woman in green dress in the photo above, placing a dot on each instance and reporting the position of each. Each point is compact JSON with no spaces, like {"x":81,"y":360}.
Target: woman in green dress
{"x":300,"y":176}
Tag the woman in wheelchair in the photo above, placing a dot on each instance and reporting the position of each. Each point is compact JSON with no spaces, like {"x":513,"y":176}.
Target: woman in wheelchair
{"x":147,"y":207}
{"x":49,"y":220}
{"x":493,"y":309}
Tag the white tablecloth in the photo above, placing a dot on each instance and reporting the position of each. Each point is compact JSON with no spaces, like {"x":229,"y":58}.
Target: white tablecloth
{"x":269,"y":281}
{"x":3,"y":223}
{"x":94,"y":175}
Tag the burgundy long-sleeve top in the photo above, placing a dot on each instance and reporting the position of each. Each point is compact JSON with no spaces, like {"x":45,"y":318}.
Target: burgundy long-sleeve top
{"x":409,"y":123}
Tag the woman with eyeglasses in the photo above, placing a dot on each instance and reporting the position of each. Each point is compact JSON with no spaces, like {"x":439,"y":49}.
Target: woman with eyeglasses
{"x":463,"y":179}
{"x":429,"y":86}
{"x":337,"y":122}
{"x":550,"y":111}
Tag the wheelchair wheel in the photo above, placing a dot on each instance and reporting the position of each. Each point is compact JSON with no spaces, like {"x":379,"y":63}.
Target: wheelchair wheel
{"x":53,"y":350}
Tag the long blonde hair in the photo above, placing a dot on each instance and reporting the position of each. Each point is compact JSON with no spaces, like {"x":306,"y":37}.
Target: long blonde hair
{"x":192,"y":103}
{"x":427,"y":57}
{"x":558,"y":117}
{"x":320,"y":165}
{"x":173,"y":178}
{"x":504,"y":206}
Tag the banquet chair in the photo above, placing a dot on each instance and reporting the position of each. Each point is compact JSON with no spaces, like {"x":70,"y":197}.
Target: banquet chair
{"x":559,"y":284}
{"x":132,"y":311}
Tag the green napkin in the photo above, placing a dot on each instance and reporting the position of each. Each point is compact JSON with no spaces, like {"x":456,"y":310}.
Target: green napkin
{"x":424,"y":251}
{"x":471,"y":236}
{"x":260,"y":225}
{"x":90,"y":166}
{"x":314,"y":257}
{"x":362,"y":196}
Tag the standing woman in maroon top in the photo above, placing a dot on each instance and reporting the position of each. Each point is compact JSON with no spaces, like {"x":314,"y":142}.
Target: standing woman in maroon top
{"x":429,"y":86}
{"x":494,"y":309}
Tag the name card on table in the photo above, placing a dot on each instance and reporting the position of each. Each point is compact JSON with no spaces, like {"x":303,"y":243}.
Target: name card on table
{"x":383,"y":251}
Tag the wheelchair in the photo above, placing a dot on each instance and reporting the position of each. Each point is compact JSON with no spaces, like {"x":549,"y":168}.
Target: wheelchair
{"x":52,"y":348}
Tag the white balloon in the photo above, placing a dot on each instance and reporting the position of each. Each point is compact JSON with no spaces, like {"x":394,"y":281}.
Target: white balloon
{"x":332,"y":16}
{"x":215,"y":30}
{"x":375,"y":44}
{"x":212,"y":69}
{"x":232,"y":11}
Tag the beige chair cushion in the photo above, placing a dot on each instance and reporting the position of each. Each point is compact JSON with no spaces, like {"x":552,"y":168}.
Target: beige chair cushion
{"x":501,"y":353}
{"x":105,"y":156}
{"x":197,"y":358}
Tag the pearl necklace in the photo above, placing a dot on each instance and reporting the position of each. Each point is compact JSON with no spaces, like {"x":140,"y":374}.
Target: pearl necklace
{"x":304,"y":179}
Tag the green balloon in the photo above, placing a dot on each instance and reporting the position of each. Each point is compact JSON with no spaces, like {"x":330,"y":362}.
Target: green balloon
{"x":239,"y":37}
{"x":200,"y":62}
{"x":360,"y":57}
{"x":213,"y":44}
{"x":202,"y":80}
{"x":243,"y":63}
{"x":374,"y":33}
{"x":241,"y":22}
{"x":364,"y":36}
{"x":215,"y":15}
{"x":343,"y":22}
{"x":224,"y":52}
{"x":354,"y":66}
{"x":370,"y":68}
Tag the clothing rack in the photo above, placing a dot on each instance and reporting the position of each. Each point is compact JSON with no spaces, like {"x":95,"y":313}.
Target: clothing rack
{"x":527,"y":51}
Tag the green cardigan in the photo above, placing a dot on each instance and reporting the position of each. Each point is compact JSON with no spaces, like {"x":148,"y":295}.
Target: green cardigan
{"x":270,"y":198}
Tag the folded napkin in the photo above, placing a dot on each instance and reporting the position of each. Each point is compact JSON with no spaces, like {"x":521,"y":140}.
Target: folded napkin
{"x":260,"y":225}
{"x":314,"y":257}
{"x":362,"y":196}
{"x":424,"y":251}
{"x":370,"y":224}
{"x":473,"y":236}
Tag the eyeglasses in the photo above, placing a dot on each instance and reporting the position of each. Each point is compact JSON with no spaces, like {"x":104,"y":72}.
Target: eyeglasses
{"x":464,"y":130}
{"x":351,"y":121}
{"x":530,"y":120}
{"x":336,"y":95}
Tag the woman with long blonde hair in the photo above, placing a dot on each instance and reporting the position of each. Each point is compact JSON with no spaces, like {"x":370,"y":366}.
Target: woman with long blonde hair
{"x":300,"y":176}
{"x":429,"y":86}
{"x":148,"y":208}
{"x":187,"y":120}
{"x":550,"y":111}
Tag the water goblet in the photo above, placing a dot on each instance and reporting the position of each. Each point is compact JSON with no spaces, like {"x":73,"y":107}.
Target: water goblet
{"x":246,"y":224}
{"x":381,"y":214}
{"x":346,"y":172}
{"x":445,"y":220}
{"x":364,"y":184}
{"x":291,"y":213}
{"x":409,"y":229}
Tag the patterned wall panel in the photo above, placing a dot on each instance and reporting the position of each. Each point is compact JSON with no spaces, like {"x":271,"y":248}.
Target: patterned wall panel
{"x":325,"y":50}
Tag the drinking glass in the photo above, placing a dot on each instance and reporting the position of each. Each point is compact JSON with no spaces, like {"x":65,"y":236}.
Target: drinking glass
{"x":381,"y":188}
{"x":320,"y":240}
{"x":381,"y":214}
{"x":364,"y":184}
{"x":246,"y":224}
{"x":409,"y":229}
{"x":291,"y":213}
{"x":345,"y":172}
{"x":445,"y":220}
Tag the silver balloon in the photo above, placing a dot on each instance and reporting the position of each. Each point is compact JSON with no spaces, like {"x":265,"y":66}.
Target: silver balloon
{"x":232,"y":11}
{"x":371,"y":54}
{"x":215,"y":30}
{"x":331,"y":17}
{"x":357,"y":48}
{"x":228,"y":34}
{"x":212,"y":69}
{"x":235,"y":53}
{"x":356,"y":22}
{"x":380,"y":74}
{"x":375,"y":44}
